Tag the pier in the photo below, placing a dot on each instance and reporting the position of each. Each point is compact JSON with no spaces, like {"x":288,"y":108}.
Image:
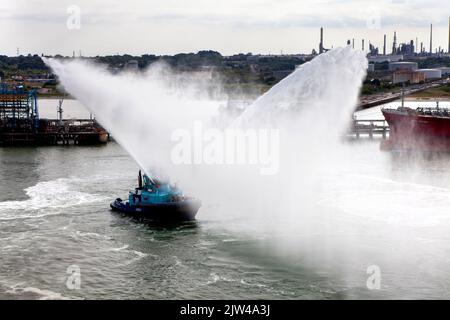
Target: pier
{"x":56,"y":132}
{"x":383,"y":98}
{"x":368,"y":128}
{"x":20,"y":123}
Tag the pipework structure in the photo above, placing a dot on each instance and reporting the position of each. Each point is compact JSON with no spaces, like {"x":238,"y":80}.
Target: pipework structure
{"x":18,"y":109}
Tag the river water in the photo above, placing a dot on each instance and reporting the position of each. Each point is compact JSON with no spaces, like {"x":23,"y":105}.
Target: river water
{"x":391,"y":211}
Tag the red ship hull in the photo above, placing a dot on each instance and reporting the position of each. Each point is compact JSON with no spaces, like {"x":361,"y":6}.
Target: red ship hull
{"x":410,"y":130}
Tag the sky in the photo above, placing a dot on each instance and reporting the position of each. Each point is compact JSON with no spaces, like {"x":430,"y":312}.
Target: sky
{"x":100,"y":27}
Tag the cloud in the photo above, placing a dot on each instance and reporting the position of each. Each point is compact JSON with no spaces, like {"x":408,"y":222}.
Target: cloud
{"x":171,"y":26}
{"x":242,"y":13}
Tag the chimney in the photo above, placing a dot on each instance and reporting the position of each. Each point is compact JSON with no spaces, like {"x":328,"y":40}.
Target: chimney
{"x":448,"y":34}
{"x":394,"y":44}
{"x":384,"y":45}
{"x":431,"y":39}
{"x":362,"y":44}
{"x":321,"y":40}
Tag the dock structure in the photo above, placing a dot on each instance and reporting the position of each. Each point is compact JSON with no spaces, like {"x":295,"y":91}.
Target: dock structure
{"x":383,"y":98}
{"x":368,"y":128}
{"x":20,"y":123}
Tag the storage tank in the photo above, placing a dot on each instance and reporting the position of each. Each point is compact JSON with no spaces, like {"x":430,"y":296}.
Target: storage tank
{"x":445,"y":71}
{"x":431,"y":73}
{"x":394,"y":66}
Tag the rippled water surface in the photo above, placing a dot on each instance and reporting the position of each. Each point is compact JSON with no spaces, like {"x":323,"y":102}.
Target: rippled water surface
{"x":54,"y":213}
{"x":388,"y":210}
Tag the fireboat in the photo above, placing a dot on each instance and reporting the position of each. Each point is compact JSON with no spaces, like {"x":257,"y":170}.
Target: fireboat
{"x":158,"y":201}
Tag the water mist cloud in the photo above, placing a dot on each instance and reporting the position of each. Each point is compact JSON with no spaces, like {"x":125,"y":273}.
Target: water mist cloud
{"x":330,"y":207}
{"x":310,"y":107}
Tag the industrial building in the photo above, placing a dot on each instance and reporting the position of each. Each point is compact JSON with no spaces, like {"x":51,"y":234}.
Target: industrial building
{"x":403,"y":76}
{"x":445,"y":71}
{"x":431,"y":73}
{"x":394,"y":66}
{"x":385,"y":58}
{"x":406,"y":48}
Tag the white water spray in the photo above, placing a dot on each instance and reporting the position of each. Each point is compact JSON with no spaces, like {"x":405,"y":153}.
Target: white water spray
{"x":311,"y":107}
{"x":330,"y":208}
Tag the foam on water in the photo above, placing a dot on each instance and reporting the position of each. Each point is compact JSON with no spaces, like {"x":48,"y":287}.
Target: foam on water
{"x":45,"y":294}
{"x":46,"y":198}
{"x":21,"y":289}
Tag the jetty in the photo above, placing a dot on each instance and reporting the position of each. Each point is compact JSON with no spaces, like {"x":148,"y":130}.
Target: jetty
{"x":20,"y":123}
{"x":368,"y":129}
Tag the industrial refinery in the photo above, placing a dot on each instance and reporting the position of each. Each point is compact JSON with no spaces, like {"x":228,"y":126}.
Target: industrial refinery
{"x":397,"y":50}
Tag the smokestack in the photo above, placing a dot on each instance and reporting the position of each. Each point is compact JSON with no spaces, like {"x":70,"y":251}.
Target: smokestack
{"x":321,"y":40}
{"x":353,"y":43}
{"x":416,"y":45}
{"x":362,"y":44}
{"x":394,"y":44}
{"x":431,"y":39}
{"x":421,"y":47}
{"x":384,"y":45}
{"x":448,"y":34}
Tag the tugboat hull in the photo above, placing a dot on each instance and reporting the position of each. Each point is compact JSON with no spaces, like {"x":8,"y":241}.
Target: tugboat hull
{"x":183,"y":210}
